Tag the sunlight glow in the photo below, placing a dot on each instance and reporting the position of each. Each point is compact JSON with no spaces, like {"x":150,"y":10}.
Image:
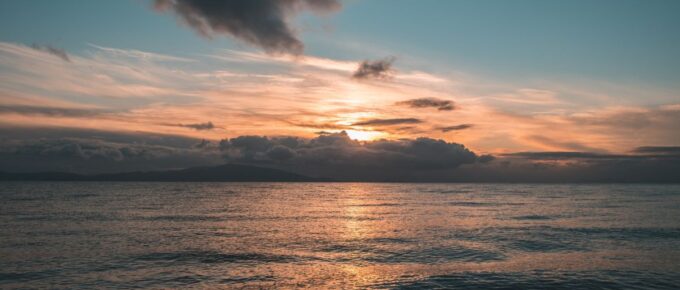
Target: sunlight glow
{"x":364,"y":135}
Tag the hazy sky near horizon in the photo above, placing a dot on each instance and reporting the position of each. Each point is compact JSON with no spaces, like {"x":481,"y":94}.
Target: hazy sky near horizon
{"x":499,"y":77}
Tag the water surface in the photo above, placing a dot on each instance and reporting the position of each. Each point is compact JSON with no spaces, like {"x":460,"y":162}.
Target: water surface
{"x":339,"y":235}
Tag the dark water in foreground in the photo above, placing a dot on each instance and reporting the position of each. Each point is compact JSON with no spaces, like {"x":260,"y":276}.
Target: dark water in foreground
{"x":339,"y":235}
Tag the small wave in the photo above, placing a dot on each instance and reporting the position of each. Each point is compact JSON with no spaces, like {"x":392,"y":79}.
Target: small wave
{"x":534,"y":217}
{"x":628,"y":233}
{"x":181,"y":218}
{"x":448,"y":191}
{"x":472,"y":203}
{"x":544,"y":246}
{"x":80,"y":195}
{"x":376,"y":254}
{"x":540,"y":280}
{"x":374,"y":205}
{"x":210,"y":257}
{"x":13,"y":277}
{"x":256,"y":278}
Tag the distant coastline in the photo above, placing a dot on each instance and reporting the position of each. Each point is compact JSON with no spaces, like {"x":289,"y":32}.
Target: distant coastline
{"x":248,"y":173}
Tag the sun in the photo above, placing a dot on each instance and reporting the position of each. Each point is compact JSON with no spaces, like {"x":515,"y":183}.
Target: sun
{"x":363,"y":135}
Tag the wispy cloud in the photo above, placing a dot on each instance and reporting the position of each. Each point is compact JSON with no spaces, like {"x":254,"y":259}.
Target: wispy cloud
{"x":388,"y":122}
{"x":58,"y":52}
{"x":49,"y":111}
{"x":142,"y":55}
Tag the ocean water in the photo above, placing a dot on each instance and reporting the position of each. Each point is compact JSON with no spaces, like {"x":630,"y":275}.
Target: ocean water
{"x":339,"y":235}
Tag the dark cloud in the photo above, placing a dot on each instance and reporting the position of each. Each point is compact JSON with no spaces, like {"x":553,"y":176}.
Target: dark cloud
{"x":329,"y":155}
{"x":378,"y":69}
{"x":58,"y":52}
{"x":337,"y":156}
{"x":263,"y":23}
{"x":645,"y":153}
{"x":199,"y":126}
{"x":49,"y":111}
{"x":658,"y":149}
{"x":93,"y":151}
{"x":97,"y":156}
{"x":560,"y":155}
{"x":280,"y":153}
{"x":455,"y":127}
{"x":442,"y":105}
{"x":568,"y":167}
{"x":388,"y":122}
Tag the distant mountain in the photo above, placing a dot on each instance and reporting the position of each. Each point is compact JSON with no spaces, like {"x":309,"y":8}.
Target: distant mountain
{"x":227,"y":172}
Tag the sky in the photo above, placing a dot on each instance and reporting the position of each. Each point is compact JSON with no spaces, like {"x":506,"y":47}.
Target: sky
{"x":564,"y":84}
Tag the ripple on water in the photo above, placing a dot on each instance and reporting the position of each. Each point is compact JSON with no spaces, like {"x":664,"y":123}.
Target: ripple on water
{"x":534,"y":217}
{"x":359,"y":252}
{"x":541,"y":280}
{"x":211,"y":257}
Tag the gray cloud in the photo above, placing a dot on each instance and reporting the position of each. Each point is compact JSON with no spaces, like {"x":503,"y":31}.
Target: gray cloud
{"x":455,"y":127}
{"x":658,"y":149}
{"x":564,"y":155}
{"x":388,"y":122}
{"x":58,"y":52}
{"x":641,"y":153}
{"x":337,"y":156}
{"x":199,"y":126}
{"x":263,"y":23}
{"x":442,"y":105}
{"x":378,"y":69}
{"x":574,"y":167}
{"x":330,"y":155}
{"x":97,"y":156}
{"x":49,"y":111}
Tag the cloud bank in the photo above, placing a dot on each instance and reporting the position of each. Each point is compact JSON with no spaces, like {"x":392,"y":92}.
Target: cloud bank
{"x":337,"y":156}
{"x":263,"y":23}
{"x":329,"y":155}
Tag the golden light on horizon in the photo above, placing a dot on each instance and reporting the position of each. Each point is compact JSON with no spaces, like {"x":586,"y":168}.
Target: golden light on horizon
{"x":364,"y":135}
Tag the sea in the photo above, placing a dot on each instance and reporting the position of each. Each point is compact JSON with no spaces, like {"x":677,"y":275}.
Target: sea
{"x":71,"y":235}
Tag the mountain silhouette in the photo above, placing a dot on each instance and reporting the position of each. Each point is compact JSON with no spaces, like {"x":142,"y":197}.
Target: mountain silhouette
{"x":226,"y":172}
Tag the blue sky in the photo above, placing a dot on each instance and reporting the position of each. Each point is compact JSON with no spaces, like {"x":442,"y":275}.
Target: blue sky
{"x":627,"y":41}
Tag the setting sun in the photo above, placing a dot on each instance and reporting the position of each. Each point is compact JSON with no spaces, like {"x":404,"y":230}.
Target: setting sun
{"x":364,"y":135}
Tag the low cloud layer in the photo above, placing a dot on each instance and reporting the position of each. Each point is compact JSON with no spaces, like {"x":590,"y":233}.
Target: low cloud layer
{"x":335,"y":155}
{"x":674,"y":150}
{"x":58,"y":52}
{"x":329,"y":155}
{"x":332,"y":155}
{"x":377,"y":69}
{"x":49,"y":111}
{"x":263,"y":23}
{"x":439,"y":104}
{"x":81,"y":151}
